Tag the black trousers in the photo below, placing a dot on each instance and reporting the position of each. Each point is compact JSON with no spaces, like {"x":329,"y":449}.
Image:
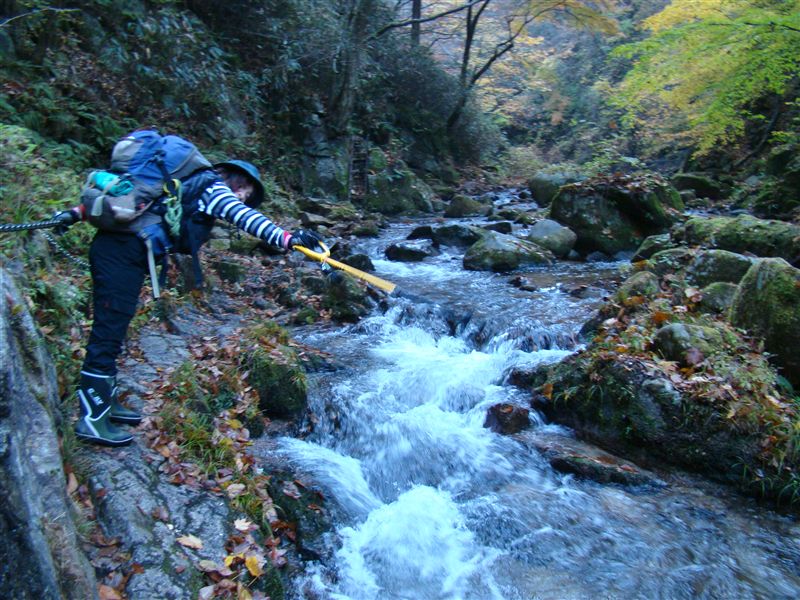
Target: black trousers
{"x":119,"y":266}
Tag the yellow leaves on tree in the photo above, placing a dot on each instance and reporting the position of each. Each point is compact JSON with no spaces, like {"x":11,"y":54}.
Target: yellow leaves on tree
{"x":706,"y":63}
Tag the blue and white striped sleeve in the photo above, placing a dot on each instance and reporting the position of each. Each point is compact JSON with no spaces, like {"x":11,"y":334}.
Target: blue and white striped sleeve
{"x":219,"y":201}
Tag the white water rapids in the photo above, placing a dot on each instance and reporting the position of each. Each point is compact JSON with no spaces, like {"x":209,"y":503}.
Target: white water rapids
{"x":429,"y":504}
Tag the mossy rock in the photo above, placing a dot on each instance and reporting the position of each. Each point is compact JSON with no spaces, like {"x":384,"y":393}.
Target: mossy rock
{"x":616,"y":214}
{"x":676,"y":340}
{"x":643,"y":283}
{"x":743,"y":233}
{"x":553,"y":236}
{"x":278,"y":377}
{"x":718,"y":297}
{"x":502,"y":253}
{"x":367,"y":229}
{"x":464,"y":206}
{"x":346,"y":299}
{"x":701,"y":184}
{"x":709,"y":266}
{"x":545,"y":185}
{"x":651,"y":245}
{"x":767,"y":304}
{"x":398,"y":190}
{"x":670,"y":261}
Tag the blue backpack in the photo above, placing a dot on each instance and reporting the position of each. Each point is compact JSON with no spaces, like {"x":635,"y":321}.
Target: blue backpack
{"x":142,"y":193}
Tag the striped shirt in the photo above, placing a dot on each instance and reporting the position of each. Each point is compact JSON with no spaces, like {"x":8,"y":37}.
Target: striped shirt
{"x":219,"y":202}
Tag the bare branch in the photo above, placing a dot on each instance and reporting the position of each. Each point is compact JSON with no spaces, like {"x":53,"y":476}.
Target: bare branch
{"x":36,"y":12}
{"x":451,"y":11}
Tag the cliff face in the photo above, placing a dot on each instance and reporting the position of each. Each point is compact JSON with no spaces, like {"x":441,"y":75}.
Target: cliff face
{"x":39,"y":552}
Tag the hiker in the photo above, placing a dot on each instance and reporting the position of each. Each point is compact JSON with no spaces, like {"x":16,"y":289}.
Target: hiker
{"x":120,"y":261}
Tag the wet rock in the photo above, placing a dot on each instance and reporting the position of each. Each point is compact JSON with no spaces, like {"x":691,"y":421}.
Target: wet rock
{"x":651,"y":245}
{"x":423,"y":232}
{"x":506,"y":418}
{"x":361,"y":262}
{"x":742,"y":234}
{"x":40,"y":553}
{"x":587,"y":291}
{"x":410,"y":251}
{"x":502,"y":253}
{"x":366,"y":229}
{"x":767,"y":304}
{"x":523,"y":283}
{"x":553,"y":236}
{"x":347,"y":300}
{"x":500,"y":227}
{"x":463,"y":206}
{"x":462,"y":236}
{"x":569,"y":455}
{"x":709,"y":266}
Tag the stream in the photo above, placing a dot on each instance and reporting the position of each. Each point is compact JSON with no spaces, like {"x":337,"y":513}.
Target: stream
{"x":429,"y":504}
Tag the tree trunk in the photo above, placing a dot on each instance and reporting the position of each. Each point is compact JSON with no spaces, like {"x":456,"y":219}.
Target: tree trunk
{"x":348,"y":62}
{"x":416,"y":27}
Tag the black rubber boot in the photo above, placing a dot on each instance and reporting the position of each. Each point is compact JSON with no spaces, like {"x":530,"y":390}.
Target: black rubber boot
{"x":94,"y":424}
{"x":119,"y":412}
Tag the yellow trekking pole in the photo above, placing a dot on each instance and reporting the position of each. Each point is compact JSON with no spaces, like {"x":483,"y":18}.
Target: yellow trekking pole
{"x":325,"y":257}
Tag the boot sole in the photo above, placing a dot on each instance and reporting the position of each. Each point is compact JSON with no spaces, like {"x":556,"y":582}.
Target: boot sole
{"x":126,"y":420}
{"x":104,"y":441}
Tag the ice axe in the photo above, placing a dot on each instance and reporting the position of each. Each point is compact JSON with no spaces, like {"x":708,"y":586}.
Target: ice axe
{"x":325,"y":258}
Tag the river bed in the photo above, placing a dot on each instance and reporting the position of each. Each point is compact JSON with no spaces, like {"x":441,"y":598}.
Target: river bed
{"x":430,"y":504}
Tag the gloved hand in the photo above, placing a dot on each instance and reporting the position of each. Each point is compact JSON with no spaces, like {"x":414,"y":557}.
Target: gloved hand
{"x":305,"y":238}
{"x":65,"y":219}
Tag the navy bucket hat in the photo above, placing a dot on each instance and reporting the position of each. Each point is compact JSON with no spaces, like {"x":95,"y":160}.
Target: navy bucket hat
{"x":249,"y":169}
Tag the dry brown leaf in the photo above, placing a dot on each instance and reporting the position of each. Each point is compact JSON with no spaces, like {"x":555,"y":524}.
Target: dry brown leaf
{"x":108,"y":593}
{"x":190,"y":541}
{"x":72,"y":484}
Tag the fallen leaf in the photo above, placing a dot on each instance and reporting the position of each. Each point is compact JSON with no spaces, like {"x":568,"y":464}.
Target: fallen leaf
{"x":108,"y":593}
{"x":244,"y":525}
{"x":206,"y":593}
{"x":242,"y":593}
{"x":190,"y":541}
{"x":290,"y":489}
{"x":234,"y":490}
{"x":253,"y":565}
{"x":72,"y":484}
{"x":547,"y":391}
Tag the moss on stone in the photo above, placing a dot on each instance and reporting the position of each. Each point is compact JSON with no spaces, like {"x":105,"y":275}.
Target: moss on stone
{"x":767,"y":304}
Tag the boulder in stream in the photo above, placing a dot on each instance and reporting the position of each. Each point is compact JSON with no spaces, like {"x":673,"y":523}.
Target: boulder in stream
{"x":553,"y":236}
{"x":611,"y":214}
{"x":503,"y":253}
